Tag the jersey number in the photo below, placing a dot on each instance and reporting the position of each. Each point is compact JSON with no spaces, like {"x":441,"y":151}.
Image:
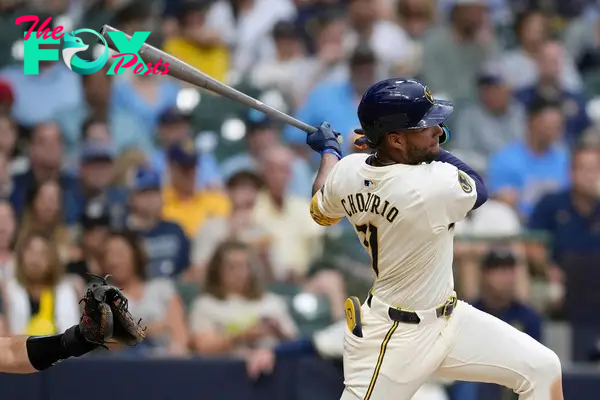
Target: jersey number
{"x":371,"y":242}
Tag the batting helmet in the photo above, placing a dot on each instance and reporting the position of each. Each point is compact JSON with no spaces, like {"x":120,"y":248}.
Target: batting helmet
{"x":399,"y":104}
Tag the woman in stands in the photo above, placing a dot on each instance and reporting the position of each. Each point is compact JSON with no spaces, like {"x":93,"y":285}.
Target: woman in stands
{"x":43,"y":214}
{"x":236,"y":314}
{"x":39,"y":301}
{"x":155,"y":301}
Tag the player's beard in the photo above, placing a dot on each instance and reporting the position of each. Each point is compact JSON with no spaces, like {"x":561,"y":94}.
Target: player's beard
{"x":418,"y":155}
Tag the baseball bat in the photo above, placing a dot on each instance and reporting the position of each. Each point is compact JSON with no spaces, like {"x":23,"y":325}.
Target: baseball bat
{"x":187,"y":73}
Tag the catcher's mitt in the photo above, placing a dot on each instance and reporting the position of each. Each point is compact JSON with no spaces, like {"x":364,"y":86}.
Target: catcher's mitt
{"x":106,"y":316}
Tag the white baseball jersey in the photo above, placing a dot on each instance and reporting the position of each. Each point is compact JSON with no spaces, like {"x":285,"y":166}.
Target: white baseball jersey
{"x":404,"y":216}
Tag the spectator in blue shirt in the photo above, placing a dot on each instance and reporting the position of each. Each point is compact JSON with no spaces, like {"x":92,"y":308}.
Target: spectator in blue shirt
{"x":94,"y":185}
{"x":135,"y":106}
{"x":572,"y":218}
{"x":167,"y":247}
{"x":525,"y":170}
{"x":498,"y":293}
{"x":38,"y":98}
{"x":336,"y":102}
{"x":550,"y":62}
{"x":174,"y":127}
{"x":45,"y":158}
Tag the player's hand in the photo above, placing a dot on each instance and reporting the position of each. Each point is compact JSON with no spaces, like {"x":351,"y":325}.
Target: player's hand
{"x":325,"y":140}
{"x":259,"y":362}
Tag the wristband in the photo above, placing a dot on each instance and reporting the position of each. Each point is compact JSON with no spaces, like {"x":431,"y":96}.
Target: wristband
{"x":332,"y":151}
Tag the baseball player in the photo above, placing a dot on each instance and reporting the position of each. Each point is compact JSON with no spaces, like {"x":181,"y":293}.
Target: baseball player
{"x":403,"y":201}
{"x":105,"y":317}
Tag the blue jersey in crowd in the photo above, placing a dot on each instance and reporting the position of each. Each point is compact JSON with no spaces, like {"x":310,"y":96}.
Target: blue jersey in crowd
{"x":531,"y":175}
{"x":167,"y":248}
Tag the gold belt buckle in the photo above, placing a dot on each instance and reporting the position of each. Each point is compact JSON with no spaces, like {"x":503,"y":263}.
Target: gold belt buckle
{"x":450,"y":303}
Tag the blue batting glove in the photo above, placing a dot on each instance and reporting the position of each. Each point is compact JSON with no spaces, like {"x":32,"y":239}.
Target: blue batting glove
{"x":325,"y":140}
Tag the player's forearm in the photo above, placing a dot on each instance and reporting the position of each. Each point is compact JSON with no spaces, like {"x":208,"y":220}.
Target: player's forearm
{"x":328,"y":161}
{"x":26,"y":355}
{"x":482,"y":193}
{"x":13,"y":356}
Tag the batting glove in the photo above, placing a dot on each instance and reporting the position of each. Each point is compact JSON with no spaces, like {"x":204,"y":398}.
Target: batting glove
{"x":325,"y":140}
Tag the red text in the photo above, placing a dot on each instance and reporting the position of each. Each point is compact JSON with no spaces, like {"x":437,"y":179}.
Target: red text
{"x":42,"y":30}
{"x":154,"y":69}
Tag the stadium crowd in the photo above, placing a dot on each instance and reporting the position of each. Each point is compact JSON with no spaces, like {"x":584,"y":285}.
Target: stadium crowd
{"x":198,"y":207}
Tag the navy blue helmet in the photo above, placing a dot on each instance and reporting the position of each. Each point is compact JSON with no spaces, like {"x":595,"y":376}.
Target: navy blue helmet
{"x":399,"y":104}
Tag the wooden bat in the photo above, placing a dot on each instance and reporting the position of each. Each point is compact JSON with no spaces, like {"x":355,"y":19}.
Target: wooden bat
{"x":187,"y":73}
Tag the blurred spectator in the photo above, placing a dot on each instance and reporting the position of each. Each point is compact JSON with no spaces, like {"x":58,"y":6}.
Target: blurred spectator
{"x":95,"y":225}
{"x":8,"y":228}
{"x":571,"y":216}
{"x":522,"y":172}
{"x":335,"y":102}
{"x":174,"y":127}
{"x":184,"y":204}
{"x":245,"y":25}
{"x":95,"y":130}
{"x":463,"y":47}
{"x":155,"y":301}
{"x":519,"y":65}
{"x":197,"y":44}
{"x":416,"y":17}
{"x":261,"y":137}
{"x":38,"y":301}
{"x":550,"y":63}
{"x":32,"y":93}
{"x":242,"y":188}
{"x":390,"y":43}
{"x":236,"y":314}
{"x":44,"y":214}
{"x":498,"y":294}
{"x":167,"y":247}
{"x":97,"y":91}
{"x":293,"y":250}
{"x":45,"y":159}
{"x":94,"y":185}
{"x":494,"y":121}
{"x":289,"y":71}
{"x":134,"y":108}
{"x":330,"y":61}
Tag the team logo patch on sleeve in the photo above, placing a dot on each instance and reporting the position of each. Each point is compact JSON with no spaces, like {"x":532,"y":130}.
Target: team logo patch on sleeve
{"x":463,"y":180}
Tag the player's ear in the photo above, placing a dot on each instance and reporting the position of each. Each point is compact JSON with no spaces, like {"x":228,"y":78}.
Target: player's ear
{"x":396,"y":140}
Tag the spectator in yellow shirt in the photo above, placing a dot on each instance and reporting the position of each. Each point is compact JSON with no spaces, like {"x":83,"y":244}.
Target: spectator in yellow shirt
{"x":183,"y":203}
{"x":198,"y":45}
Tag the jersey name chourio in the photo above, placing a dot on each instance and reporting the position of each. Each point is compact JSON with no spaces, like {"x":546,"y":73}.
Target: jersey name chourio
{"x":404,"y":216}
